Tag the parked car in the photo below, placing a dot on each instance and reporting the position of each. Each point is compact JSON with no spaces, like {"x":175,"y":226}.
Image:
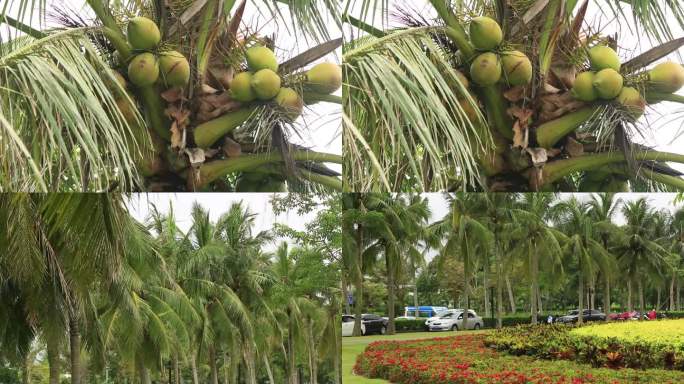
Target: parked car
{"x":370,"y":324}
{"x":452,"y":321}
{"x":436,"y":317}
{"x":587,"y":315}
{"x":423,"y":311}
{"x":633,"y":315}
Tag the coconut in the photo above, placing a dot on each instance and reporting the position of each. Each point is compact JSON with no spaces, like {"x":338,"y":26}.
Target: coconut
{"x":666,"y":77}
{"x":631,"y":99}
{"x":143,"y":33}
{"x":260,"y":57}
{"x":175,"y":68}
{"x":485,"y":33}
{"x":602,"y":57}
{"x":517,"y":67}
{"x":485,"y":69}
{"x":266,"y":84}
{"x":608,"y":83}
{"x":583,"y":89}
{"x":325,"y":78}
{"x":143,"y":70}
{"x":291,"y":102}
{"x":241,"y":87}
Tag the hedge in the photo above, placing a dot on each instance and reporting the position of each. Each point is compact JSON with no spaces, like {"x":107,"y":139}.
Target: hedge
{"x":407,"y":325}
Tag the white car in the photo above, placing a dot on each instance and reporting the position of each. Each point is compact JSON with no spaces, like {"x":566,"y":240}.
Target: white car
{"x":437,"y":316}
{"x":348,"y":325}
{"x":452,"y":321}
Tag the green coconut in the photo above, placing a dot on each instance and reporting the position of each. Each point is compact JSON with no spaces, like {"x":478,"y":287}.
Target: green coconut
{"x":266,"y":84}
{"x":603,"y":57}
{"x":486,"y":69}
{"x":631,"y":99}
{"x":517,"y":67}
{"x":241,"y":87}
{"x":143,"y":33}
{"x":583,"y":89}
{"x":608,"y":83}
{"x":324,"y":78}
{"x":143,"y":70}
{"x":175,"y":68}
{"x":260,"y":57}
{"x":290,"y":101}
{"x":666,"y":77}
{"x":485,"y":33}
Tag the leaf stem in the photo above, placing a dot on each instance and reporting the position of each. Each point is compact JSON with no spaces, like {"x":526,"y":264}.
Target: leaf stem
{"x":329,"y":181}
{"x":549,"y":133}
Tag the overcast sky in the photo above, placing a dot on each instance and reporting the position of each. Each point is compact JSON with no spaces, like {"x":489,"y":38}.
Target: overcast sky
{"x":662,"y":125}
{"x":320,"y":128}
{"x":217,"y":204}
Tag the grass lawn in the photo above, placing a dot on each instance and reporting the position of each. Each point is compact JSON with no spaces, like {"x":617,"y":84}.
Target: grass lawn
{"x":353,"y":346}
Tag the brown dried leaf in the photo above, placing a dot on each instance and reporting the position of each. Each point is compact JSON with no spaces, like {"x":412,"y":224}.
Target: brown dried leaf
{"x":573,"y":147}
{"x":538,"y":156}
{"x":515,"y":94}
{"x":176,"y":136}
{"x":172,"y":95}
{"x":231,"y":147}
{"x":553,"y":152}
{"x":207,"y":90}
{"x":520,"y":135}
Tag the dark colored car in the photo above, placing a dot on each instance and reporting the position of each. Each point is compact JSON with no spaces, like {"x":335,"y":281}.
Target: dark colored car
{"x":587,"y":315}
{"x":369,"y":324}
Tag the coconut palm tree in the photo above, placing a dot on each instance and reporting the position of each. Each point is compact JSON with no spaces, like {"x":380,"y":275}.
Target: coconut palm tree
{"x":639,"y":254}
{"x":76,"y":120}
{"x":466,"y":236}
{"x":420,"y":116}
{"x":573,"y":219}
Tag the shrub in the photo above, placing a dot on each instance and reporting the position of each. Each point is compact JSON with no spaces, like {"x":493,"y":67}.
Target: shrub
{"x":408,"y":325}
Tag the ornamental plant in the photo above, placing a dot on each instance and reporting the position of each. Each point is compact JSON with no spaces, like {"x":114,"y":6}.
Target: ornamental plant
{"x":165,"y":96}
{"x":509,"y":96}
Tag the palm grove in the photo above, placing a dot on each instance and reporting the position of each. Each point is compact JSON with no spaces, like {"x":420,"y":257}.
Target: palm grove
{"x":90,"y":295}
{"x":508,"y":254}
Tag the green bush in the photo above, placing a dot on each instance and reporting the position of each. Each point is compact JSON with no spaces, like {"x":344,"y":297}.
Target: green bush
{"x":407,"y":325}
{"x":674,"y":314}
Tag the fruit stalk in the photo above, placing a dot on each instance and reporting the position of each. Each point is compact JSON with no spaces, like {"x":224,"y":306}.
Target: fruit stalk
{"x":656,"y":97}
{"x":558,"y":169}
{"x":207,"y":133}
{"x":211,"y":171}
{"x":550,"y":132}
{"x":155,"y":111}
{"x":329,"y":181}
{"x":495,"y":105}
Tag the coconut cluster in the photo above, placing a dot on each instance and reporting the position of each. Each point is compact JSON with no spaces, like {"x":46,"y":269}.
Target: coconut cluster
{"x":262,"y":82}
{"x":146,"y":67}
{"x":605,"y":82}
{"x":489,"y":66}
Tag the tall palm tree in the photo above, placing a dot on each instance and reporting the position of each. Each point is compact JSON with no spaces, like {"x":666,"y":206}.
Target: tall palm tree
{"x":466,"y":236}
{"x":573,"y":219}
{"x":536,"y":241}
{"x":84,"y":127}
{"x":639,"y":254}
{"x":456,"y":134}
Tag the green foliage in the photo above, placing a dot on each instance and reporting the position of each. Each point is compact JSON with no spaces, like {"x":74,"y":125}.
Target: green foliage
{"x":408,"y":325}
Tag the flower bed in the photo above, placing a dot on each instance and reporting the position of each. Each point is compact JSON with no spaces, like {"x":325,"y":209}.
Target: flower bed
{"x":640,"y":345}
{"x":466,"y":359}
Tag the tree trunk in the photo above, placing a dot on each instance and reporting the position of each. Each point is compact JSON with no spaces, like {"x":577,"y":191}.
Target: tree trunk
{"x":592,"y":293}
{"x":213,"y":368}
{"x":580,"y":292}
{"x":26,"y":370}
{"x":678,"y":295}
{"x":511,"y":298}
{"x":499,"y":289}
{"x":415,"y":289}
{"x":606,"y":297}
{"x":267,"y":364}
{"x":345,"y":293}
{"x":75,"y":349}
{"x":466,"y":286}
{"x":630,"y":307}
{"x":193,"y":367}
{"x":642,"y":304}
{"x":142,"y":370}
{"x":53,"y":359}
{"x":658,"y":298}
{"x":358,"y":289}
{"x":534,"y":289}
{"x":176,"y":369}
{"x":486,"y":293}
{"x":672,"y":292}
{"x":390,"y":255}
{"x":291,"y":360}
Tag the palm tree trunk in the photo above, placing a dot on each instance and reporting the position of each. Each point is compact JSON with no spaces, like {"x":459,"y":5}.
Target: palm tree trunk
{"x":390,"y":256}
{"x":269,"y":372}
{"x":142,"y":370}
{"x":312,"y":354}
{"x":534,"y":289}
{"x":75,"y":347}
{"x":580,"y":293}
{"x":345,"y":294}
{"x":511,"y":298}
{"x":358,"y":283}
{"x":630,"y":307}
{"x":606,"y":297}
{"x":642,"y":304}
{"x":213,"y":368}
{"x":53,"y":359}
{"x":193,"y":368}
{"x":291,"y":360}
{"x":466,"y":286}
{"x":592,"y":292}
{"x":248,"y":357}
{"x":26,"y":370}
{"x":499,"y":289}
{"x":658,"y":298}
{"x":415,"y":289}
{"x":678,"y":295}
{"x":672,"y":292}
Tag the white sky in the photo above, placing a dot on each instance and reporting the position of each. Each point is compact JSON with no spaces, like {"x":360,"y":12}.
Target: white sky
{"x":217,"y":204}
{"x":664,"y":134}
{"x":322,"y":121}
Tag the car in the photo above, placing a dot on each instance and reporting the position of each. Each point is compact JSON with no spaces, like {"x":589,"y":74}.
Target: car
{"x":370,"y":324}
{"x":424,"y":311}
{"x":452,"y":321}
{"x":587,"y":315}
{"x":437,"y":316}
